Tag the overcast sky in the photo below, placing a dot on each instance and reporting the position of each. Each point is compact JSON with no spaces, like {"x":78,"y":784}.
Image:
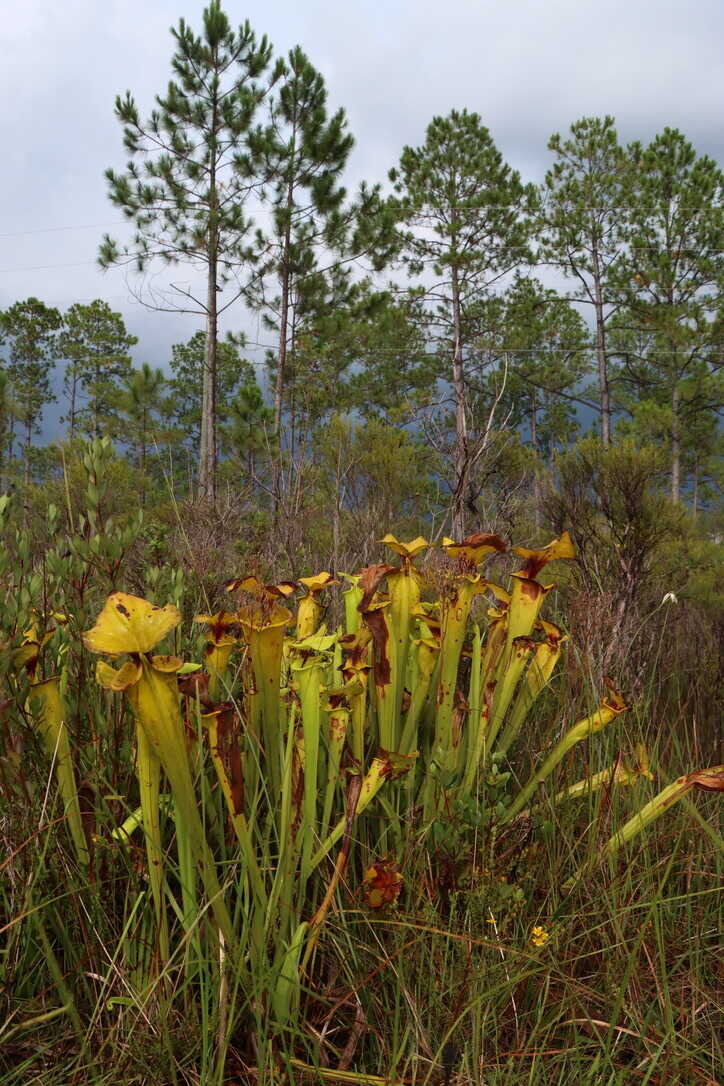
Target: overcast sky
{"x":529,"y":68}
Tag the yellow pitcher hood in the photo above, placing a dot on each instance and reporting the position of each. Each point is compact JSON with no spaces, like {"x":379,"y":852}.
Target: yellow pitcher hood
{"x":130,"y":624}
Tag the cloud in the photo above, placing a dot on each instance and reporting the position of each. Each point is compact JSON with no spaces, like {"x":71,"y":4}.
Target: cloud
{"x":529,"y":68}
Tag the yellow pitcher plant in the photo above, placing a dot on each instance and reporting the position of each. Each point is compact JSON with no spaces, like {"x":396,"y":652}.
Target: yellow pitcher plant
{"x":131,"y":626}
{"x":47,"y":708}
{"x":431,"y":681}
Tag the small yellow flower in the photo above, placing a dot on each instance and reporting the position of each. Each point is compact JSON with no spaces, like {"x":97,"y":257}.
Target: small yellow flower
{"x":539,"y":936}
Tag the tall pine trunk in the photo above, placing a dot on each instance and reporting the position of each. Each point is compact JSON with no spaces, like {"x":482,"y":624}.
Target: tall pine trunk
{"x":339,"y":476}
{"x":95,"y":401}
{"x":603,"y":386}
{"x":4,"y":437}
{"x":461,"y":422}
{"x":534,"y":443}
{"x":282,"y":361}
{"x":73,"y":398}
{"x":28,"y":439}
{"x":675,"y":446}
{"x":143,"y":457}
{"x":207,"y":458}
{"x":282,"y":364}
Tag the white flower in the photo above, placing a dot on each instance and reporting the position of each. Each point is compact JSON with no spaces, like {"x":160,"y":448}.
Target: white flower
{"x":669,"y":598}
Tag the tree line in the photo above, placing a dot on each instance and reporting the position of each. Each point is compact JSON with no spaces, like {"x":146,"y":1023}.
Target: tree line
{"x":462,"y":312}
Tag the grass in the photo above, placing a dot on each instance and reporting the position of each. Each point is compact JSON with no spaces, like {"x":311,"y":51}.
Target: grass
{"x":626,"y":989}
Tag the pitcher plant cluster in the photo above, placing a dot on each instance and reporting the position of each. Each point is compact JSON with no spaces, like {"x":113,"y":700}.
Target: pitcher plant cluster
{"x":259,"y":765}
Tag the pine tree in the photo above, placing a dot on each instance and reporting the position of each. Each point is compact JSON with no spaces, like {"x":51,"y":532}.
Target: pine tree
{"x":461,"y":208}
{"x":94,"y":343}
{"x":189,"y":177}
{"x":524,"y":367}
{"x":301,"y":153}
{"x":141,"y":403}
{"x":29,"y":331}
{"x":249,"y":427}
{"x":186,"y":386}
{"x":583,"y":217}
{"x":7,"y":414}
{"x":704,"y":460}
{"x":369,"y":356}
{"x":671,"y":282}
{"x":545,"y":347}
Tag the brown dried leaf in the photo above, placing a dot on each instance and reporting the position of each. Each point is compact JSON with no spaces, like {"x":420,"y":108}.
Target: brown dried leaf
{"x":369,"y":581}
